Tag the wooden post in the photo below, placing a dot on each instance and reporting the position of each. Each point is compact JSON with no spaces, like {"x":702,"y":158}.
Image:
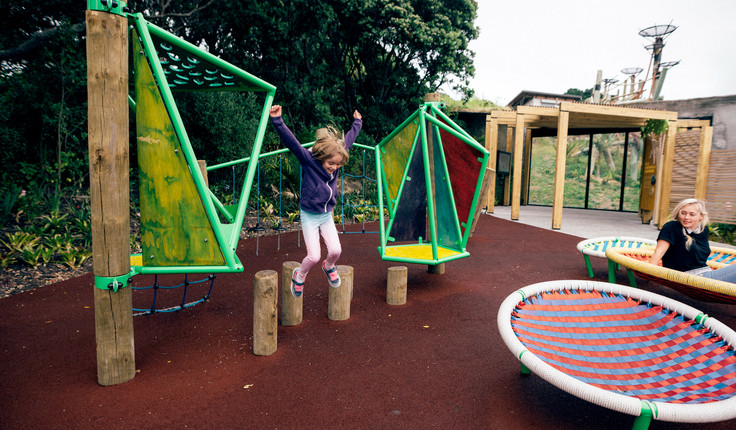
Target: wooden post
{"x":338,"y":308}
{"x":487,"y":178}
{"x":396,"y":285}
{"x":518,"y":164}
{"x":668,"y":159}
{"x":437,"y":269}
{"x":701,"y":177}
{"x":492,"y":147}
{"x":433,"y":97}
{"x":292,"y":308}
{"x":107,"y":92}
{"x":265,"y":302}
{"x":203,"y":168}
{"x":560,"y":159}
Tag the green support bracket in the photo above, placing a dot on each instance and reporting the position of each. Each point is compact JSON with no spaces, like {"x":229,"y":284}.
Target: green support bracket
{"x":113,"y":282}
{"x":588,"y":265}
{"x":611,"y":272}
{"x":524,"y":370}
{"x":113,"y":6}
{"x":648,"y":412}
{"x":632,"y":278}
{"x":701,"y":317}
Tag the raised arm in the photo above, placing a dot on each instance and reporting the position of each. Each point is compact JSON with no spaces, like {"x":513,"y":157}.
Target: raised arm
{"x":352,"y":134}
{"x":286,"y":136}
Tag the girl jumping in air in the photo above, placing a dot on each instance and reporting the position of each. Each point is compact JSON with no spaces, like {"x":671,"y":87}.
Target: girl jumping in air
{"x":320,"y":167}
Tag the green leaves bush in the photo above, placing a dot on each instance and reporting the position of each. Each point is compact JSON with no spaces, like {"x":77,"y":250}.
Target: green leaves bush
{"x":49,"y":229}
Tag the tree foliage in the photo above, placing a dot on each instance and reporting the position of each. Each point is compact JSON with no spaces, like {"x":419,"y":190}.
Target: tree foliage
{"x":585,"y":94}
{"x":326,"y":58}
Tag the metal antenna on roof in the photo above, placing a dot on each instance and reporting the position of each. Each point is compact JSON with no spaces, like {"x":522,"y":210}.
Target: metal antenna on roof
{"x":631,"y":72}
{"x":658,"y":33}
{"x":606,"y":88}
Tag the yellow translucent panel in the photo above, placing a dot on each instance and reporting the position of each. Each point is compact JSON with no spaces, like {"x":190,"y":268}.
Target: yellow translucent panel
{"x":396,"y":157}
{"x":175,"y":230}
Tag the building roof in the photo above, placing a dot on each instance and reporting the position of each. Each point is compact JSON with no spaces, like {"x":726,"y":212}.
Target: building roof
{"x":525,"y":96}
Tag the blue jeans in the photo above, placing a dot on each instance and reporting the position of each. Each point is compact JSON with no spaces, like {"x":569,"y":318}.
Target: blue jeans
{"x":726,"y":274}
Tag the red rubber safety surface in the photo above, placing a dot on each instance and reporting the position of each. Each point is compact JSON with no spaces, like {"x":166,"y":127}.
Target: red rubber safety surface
{"x":435,"y":362}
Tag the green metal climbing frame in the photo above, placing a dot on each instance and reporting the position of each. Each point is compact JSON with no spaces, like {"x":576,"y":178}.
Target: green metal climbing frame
{"x":181,"y":231}
{"x":431,"y":172}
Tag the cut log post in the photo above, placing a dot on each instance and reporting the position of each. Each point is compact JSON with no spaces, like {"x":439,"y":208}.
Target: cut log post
{"x":438,"y":269}
{"x":203,"y":168}
{"x":396,"y":285}
{"x":338,"y":308}
{"x":291,"y":307}
{"x":107,"y":118}
{"x":265,"y":302}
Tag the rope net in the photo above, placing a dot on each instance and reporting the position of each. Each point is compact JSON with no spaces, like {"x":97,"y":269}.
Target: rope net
{"x":162,"y":300}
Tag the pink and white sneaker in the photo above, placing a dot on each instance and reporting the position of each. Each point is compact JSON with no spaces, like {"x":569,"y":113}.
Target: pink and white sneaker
{"x":332,"y":277}
{"x":296,"y":287}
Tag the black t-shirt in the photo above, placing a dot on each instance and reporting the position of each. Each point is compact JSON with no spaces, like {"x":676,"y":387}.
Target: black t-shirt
{"x":677,"y":256}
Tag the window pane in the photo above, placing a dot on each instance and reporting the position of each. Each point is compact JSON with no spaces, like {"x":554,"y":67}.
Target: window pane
{"x":606,"y":163}
{"x":542,"y":177}
{"x":576,"y":167}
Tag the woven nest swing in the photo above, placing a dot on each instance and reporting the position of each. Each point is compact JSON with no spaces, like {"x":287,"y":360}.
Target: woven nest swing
{"x":625,"y":349}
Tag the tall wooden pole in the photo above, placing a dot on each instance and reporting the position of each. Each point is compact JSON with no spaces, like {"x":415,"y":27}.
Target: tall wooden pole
{"x":701,"y":177}
{"x":518,"y":164}
{"x":668,"y":159}
{"x":560,"y":160}
{"x":492,"y":147}
{"x":107,"y":87}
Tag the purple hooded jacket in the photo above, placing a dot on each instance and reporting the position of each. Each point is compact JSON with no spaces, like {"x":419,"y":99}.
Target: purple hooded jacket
{"x":319,"y":188}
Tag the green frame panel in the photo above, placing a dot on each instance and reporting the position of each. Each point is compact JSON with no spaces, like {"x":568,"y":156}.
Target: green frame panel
{"x":183,"y":66}
{"x":449,"y":241}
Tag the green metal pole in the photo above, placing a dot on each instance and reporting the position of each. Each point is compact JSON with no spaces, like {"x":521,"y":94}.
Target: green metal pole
{"x":379,"y":186}
{"x":428,"y":180}
{"x":251,"y":171}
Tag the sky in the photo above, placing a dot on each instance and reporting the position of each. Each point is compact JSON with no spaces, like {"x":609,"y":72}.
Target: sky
{"x":553,"y":45}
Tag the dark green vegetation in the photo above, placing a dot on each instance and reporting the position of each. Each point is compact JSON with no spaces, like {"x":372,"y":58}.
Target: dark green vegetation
{"x":326,"y":58}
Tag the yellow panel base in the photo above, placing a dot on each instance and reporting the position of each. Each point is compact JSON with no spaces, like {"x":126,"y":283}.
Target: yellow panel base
{"x":136,"y":260}
{"x":419,"y":252}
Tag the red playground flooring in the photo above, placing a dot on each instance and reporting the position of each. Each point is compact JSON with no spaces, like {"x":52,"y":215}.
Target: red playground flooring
{"x":435,"y":362}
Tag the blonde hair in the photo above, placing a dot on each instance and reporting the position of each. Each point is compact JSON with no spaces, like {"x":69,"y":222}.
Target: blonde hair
{"x":701,"y":224}
{"x":329,"y":142}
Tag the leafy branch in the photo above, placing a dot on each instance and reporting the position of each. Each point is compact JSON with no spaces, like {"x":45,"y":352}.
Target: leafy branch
{"x":655,"y":127}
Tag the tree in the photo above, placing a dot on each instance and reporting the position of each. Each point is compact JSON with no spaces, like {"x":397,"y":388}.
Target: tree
{"x":585,"y":94}
{"x":326,"y":57}
{"x":42,"y":84}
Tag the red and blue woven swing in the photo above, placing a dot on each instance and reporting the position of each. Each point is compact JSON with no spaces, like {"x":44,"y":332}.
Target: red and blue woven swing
{"x":626,"y":349}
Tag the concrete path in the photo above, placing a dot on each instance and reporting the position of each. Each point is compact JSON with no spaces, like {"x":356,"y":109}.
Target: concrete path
{"x":587,"y":223}
{"x":583,"y":223}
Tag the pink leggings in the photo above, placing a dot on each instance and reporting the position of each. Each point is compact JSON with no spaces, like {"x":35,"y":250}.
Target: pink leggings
{"x":312,"y":225}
